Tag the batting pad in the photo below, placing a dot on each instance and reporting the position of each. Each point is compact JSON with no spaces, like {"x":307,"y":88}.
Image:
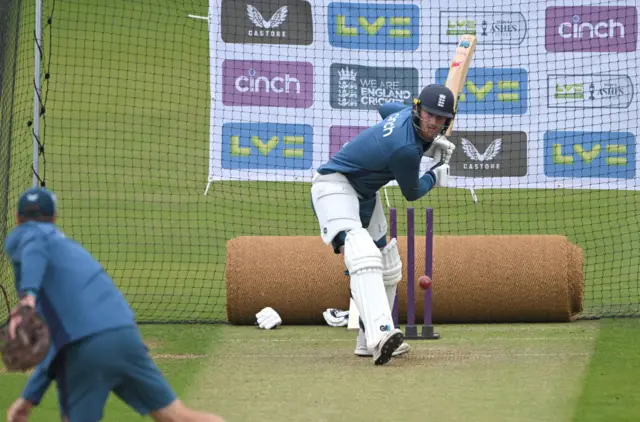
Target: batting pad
{"x":510,"y":278}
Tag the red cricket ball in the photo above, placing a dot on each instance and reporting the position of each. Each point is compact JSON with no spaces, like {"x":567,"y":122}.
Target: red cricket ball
{"x":425,"y":282}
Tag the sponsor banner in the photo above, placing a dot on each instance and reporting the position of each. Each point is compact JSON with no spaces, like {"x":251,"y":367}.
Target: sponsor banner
{"x":367,"y":88}
{"x":488,"y":27}
{"x":589,"y":154}
{"x":266,"y":22}
{"x":267,"y":146}
{"x":373,"y":26}
{"x":591,"y":28}
{"x":491,"y":90}
{"x":489,"y":154}
{"x":267,"y":83}
{"x":590,"y":91}
{"x":341,"y":135}
{"x":292,"y":81}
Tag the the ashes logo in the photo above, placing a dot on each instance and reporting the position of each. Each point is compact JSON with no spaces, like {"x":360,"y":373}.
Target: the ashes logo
{"x":267,"y":26}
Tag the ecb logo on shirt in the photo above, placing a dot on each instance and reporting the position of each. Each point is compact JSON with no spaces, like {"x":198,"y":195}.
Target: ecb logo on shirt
{"x":366,"y":26}
{"x":267,"y":146}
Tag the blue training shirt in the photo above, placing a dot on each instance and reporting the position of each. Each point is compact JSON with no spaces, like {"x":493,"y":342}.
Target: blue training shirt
{"x":75,"y":295}
{"x":389,"y":150}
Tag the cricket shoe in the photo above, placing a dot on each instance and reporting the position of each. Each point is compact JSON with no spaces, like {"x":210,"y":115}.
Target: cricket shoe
{"x":383,"y":351}
{"x":363,"y":351}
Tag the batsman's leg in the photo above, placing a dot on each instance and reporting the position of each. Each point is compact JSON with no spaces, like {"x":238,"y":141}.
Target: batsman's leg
{"x":372,"y":215}
{"x":364,"y":262}
{"x":337,"y":207}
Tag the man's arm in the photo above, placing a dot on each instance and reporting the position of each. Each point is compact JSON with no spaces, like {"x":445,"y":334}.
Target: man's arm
{"x":34,"y":259}
{"x":39,"y":381}
{"x":387,"y":109}
{"x":405,"y":166}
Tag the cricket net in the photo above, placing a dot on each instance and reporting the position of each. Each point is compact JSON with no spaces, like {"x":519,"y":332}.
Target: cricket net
{"x":168,"y":128}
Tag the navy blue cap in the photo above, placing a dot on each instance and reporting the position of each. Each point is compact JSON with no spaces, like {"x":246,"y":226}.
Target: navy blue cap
{"x":37,"y":202}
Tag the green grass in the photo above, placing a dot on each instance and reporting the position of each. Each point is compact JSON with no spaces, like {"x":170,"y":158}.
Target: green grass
{"x":611,"y":390}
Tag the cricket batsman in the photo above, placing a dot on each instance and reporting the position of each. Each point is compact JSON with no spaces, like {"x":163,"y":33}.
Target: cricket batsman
{"x":346,"y":201}
{"x":87,"y":339}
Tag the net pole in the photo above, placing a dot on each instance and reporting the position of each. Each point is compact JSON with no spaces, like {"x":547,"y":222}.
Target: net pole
{"x":37,"y":90}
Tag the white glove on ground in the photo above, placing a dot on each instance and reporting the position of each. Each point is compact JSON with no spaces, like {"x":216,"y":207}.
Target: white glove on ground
{"x":440,"y":150}
{"x":268,"y":319}
{"x":336,"y":317}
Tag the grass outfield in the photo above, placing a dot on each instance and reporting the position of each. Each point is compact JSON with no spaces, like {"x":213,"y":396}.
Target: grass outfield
{"x":127,"y":152}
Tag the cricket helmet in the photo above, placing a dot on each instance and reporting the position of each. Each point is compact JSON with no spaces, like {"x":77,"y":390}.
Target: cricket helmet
{"x":435,"y":99}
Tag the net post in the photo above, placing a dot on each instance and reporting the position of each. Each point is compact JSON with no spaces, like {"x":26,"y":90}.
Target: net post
{"x":37,"y":95}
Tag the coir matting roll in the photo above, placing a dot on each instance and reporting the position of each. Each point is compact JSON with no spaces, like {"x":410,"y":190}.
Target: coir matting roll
{"x":510,"y":278}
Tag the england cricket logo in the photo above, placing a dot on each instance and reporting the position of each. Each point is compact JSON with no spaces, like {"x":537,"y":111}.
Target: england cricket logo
{"x":491,"y":152}
{"x":267,"y":26}
{"x":347,"y":88}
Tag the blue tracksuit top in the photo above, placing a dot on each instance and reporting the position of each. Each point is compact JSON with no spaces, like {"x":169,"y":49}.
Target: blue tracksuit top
{"x":389,"y":150}
{"x":75,"y":295}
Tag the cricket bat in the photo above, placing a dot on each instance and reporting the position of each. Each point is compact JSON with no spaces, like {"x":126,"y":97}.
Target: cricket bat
{"x":354,"y":317}
{"x":458,"y":69}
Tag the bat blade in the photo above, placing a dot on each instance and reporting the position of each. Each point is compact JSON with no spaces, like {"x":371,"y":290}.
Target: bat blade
{"x":458,"y":69}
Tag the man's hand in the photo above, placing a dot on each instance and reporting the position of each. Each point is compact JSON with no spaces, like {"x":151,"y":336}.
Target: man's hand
{"x":19,"y":411}
{"x":440,"y":150}
{"x":16,"y":318}
{"x":268,"y":318}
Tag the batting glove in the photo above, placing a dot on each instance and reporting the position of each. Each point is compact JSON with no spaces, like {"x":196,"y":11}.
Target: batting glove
{"x":336,"y":317}
{"x":440,"y":150}
{"x":268,"y":319}
{"x":440,"y":172}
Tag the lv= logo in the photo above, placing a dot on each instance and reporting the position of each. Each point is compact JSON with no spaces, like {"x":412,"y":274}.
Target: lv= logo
{"x":264,"y":148}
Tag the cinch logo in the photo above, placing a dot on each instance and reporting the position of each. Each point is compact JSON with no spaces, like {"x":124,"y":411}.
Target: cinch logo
{"x":266,"y":22}
{"x":591,"y":28}
{"x":491,"y":90}
{"x":590,"y":91}
{"x":263,"y":83}
{"x":589,"y":154}
{"x":267,"y":146}
{"x":367,"y":88}
{"x":366,"y":26}
{"x":489,"y":27}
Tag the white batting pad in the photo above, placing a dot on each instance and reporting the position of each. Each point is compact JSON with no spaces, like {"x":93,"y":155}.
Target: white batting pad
{"x":391,"y":264}
{"x":336,"y":205}
{"x":364,"y":261}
